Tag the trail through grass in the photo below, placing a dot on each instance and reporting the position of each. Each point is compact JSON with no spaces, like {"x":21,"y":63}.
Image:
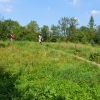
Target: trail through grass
{"x":30,"y":71}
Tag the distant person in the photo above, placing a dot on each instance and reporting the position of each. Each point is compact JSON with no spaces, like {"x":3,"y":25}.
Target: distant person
{"x":11,"y":36}
{"x":92,"y":42}
{"x":40,"y":38}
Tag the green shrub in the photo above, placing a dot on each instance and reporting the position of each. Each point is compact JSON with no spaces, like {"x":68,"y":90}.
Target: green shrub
{"x":2,"y":44}
{"x":47,"y":72}
{"x":95,"y":57}
{"x":77,"y":51}
{"x":53,"y":40}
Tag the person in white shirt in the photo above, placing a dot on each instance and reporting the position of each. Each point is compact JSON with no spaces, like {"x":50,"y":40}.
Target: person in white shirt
{"x":40,"y":38}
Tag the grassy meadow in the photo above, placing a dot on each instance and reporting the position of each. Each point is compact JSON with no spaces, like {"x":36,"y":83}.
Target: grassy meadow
{"x":51,"y":71}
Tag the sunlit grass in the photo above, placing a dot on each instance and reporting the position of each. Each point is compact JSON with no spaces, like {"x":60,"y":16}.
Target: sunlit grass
{"x":47,"y":71}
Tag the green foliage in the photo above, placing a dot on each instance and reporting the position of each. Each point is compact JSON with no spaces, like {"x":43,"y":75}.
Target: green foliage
{"x":3,"y":45}
{"x":96,"y":38}
{"x":53,"y":40}
{"x":55,"y":30}
{"x":45,"y":32}
{"x":92,"y":42}
{"x":95,"y":57}
{"x":91,"y":22}
{"x":30,"y":71}
{"x":7,"y":85}
{"x":30,"y":37}
{"x":9,"y":26}
{"x":63,"y":24}
{"x":84,"y":40}
{"x":66,"y":30}
{"x":77,"y":51}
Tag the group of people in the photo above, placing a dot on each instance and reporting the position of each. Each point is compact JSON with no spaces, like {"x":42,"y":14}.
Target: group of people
{"x":12,"y":37}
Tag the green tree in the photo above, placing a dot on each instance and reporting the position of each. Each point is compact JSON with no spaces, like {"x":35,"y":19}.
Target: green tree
{"x":85,"y":31}
{"x":31,"y":31}
{"x":72,"y":31}
{"x":2,"y":30}
{"x":92,"y":31}
{"x":91,"y":23}
{"x":63,"y":25}
{"x":55,"y":30}
{"x":73,"y":22}
{"x":12,"y":26}
{"x":45,"y":32}
{"x":96,"y":37}
{"x":55,"y":34}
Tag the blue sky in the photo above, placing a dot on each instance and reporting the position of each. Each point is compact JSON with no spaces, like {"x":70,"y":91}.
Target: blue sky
{"x":48,"y":12}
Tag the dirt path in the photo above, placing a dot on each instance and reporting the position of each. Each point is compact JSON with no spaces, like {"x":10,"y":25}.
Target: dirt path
{"x":86,"y":60}
{"x":78,"y":57}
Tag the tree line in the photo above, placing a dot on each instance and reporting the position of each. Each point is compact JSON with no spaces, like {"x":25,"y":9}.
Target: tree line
{"x":66,"y":30}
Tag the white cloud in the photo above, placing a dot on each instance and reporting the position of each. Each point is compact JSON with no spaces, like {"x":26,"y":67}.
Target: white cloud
{"x":74,"y":2}
{"x":76,"y":18}
{"x":95,"y":12}
{"x":5,"y":8}
{"x":8,"y":9}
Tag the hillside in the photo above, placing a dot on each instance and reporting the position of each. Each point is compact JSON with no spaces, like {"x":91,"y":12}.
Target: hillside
{"x":51,"y":71}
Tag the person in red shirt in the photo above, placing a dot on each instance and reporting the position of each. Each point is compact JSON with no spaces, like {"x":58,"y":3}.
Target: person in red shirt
{"x":11,"y":36}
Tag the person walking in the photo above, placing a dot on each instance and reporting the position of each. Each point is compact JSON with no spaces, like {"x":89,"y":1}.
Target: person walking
{"x":11,"y":36}
{"x":40,"y":38}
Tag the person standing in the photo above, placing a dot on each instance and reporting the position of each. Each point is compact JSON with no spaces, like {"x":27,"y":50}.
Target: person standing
{"x":11,"y":36}
{"x":40,"y":38}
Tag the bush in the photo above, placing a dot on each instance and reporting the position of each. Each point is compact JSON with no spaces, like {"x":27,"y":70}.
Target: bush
{"x":53,"y":40}
{"x":2,"y":44}
{"x":96,"y":38}
{"x":84,"y":40}
{"x":95,"y":57}
{"x":92,"y":42}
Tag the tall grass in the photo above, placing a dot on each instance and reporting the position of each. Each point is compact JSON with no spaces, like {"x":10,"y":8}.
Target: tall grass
{"x":30,"y":71}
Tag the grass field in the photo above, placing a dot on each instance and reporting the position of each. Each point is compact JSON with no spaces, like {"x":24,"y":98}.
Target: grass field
{"x":51,"y":71}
